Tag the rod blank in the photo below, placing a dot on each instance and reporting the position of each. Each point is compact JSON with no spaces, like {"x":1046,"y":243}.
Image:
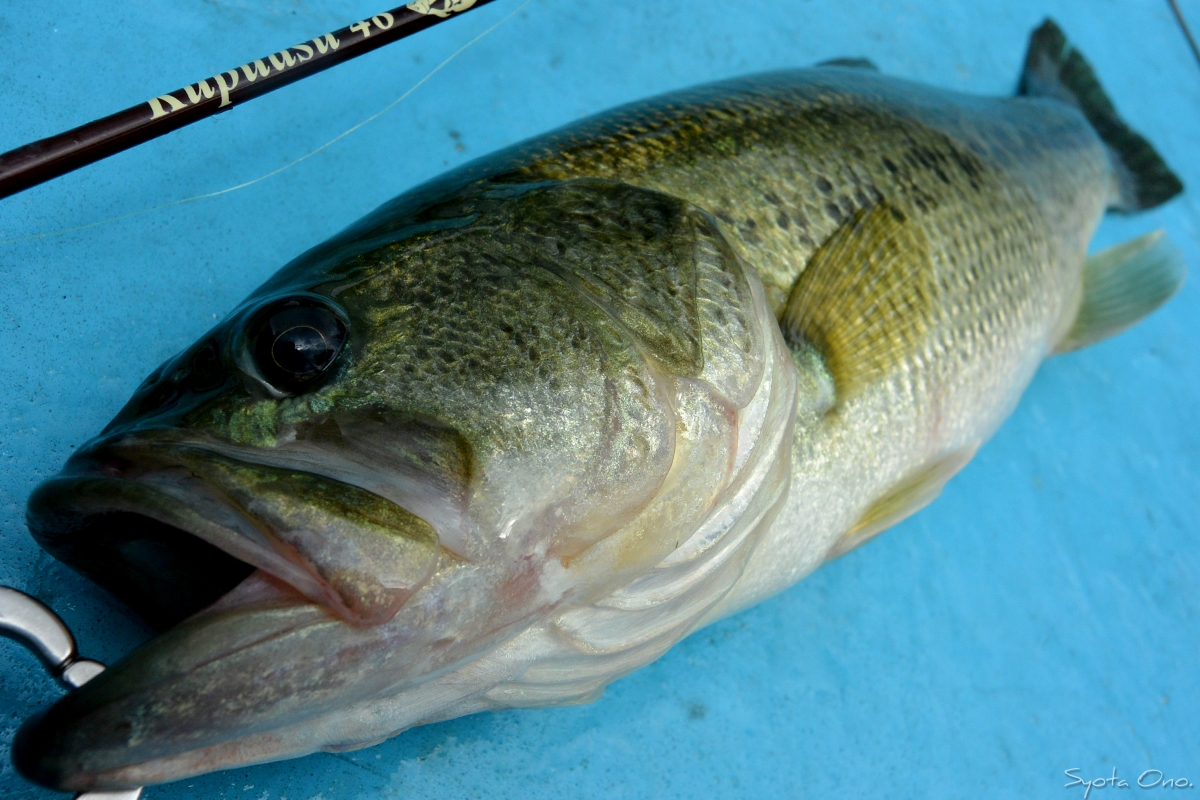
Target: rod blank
{"x":49,"y":158}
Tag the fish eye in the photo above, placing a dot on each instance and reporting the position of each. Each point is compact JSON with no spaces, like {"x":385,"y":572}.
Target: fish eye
{"x":296,"y":341}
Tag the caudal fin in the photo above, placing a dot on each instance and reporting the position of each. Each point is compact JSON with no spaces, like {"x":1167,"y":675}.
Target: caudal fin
{"x":1055,"y":69}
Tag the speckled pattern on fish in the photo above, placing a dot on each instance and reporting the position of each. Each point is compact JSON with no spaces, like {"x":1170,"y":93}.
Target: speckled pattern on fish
{"x":517,"y":432}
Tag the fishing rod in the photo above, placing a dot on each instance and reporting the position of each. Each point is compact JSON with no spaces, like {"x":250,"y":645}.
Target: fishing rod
{"x":40,"y":161}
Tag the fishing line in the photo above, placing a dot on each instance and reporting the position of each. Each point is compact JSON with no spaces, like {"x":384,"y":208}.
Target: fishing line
{"x":1187,"y":32}
{"x":290,"y":164}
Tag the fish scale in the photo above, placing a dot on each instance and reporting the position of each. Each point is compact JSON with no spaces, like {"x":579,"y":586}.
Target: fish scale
{"x":521,"y":429}
{"x":1006,"y":190}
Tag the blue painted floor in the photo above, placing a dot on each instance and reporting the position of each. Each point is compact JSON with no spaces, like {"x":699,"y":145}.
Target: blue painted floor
{"x":1042,"y":615}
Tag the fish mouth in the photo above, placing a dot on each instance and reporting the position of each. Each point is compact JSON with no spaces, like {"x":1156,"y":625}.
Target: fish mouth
{"x":171,"y":528}
{"x":283,"y":580}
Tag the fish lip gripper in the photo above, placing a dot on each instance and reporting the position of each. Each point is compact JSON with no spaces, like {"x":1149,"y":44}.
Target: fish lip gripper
{"x":31,"y":623}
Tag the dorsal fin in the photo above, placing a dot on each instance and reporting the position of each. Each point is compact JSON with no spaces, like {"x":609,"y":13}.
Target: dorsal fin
{"x":849,"y":62}
{"x":1123,"y":284}
{"x":866,"y":297}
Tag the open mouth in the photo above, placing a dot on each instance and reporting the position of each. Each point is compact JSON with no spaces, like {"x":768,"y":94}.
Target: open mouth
{"x":277,"y":585}
{"x":170,"y":529}
{"x":163,"y":573}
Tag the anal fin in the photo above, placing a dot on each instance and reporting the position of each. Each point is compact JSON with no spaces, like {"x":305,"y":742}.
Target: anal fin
{"x":1123,"y":284}
{"x":903,"y":500}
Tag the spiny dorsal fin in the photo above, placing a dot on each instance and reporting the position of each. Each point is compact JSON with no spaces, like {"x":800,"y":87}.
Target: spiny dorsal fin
{"x":1055,"y":69}
{"x":850,"y":62}
{"x":866,"y":298}
{"x":1123,"y":284}
{"x":903,"y":500}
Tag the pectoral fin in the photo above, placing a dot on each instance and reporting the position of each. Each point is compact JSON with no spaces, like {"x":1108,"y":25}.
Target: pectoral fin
{"x":903,"y":500}
{"x":867,"y":297}
{"x":1123,"y":284}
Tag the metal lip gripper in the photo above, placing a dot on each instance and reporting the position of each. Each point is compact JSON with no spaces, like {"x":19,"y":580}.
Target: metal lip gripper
{"x":34,"y":625}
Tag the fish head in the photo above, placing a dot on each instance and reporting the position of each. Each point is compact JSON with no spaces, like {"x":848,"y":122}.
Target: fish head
{"x":410,"y":444}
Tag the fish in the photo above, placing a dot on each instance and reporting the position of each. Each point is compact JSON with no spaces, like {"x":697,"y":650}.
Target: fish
{"x":521,"y":429}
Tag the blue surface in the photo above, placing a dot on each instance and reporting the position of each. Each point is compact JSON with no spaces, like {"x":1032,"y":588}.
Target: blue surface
{"x":1042,"y":615}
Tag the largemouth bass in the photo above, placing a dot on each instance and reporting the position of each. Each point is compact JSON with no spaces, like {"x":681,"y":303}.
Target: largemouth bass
{"x":518,"y":431}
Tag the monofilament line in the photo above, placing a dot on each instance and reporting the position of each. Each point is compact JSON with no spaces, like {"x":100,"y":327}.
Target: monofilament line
{"x":290,"y":164}
{"x":1187,"y":32}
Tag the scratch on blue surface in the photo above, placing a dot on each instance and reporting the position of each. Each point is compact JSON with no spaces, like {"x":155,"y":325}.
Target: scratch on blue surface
{"x":1042,"y":615}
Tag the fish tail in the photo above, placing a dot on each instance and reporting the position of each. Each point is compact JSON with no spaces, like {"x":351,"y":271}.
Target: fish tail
{"x":1056,"y":70}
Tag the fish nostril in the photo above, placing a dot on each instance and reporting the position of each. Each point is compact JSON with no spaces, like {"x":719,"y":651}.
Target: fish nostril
{"x":161,"y":395}
{"x":151,"y":379}
{"x":204,"y":372}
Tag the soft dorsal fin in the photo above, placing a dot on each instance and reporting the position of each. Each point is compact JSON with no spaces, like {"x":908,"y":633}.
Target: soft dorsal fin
{"x":866,"y":298}
{"x":1123,"y":284}
{"x":903,"y":500}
